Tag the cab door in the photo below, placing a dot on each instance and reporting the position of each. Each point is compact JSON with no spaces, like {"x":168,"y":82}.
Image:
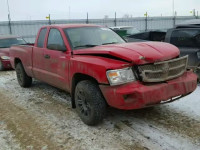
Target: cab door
{"x":56,"y":60}
{"x":38,"y":55}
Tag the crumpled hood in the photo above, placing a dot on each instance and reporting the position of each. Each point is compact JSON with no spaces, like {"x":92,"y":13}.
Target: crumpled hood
{"x":138,"y":53}
{"x":4,"y":51}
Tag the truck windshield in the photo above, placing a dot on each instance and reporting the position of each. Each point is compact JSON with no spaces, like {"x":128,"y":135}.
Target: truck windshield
{"x":85,"y":37}
{"x":7,"y":43}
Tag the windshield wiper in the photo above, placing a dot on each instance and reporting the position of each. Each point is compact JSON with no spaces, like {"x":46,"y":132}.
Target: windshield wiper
{"x":110,"y":43}
{"x":87,"y":45}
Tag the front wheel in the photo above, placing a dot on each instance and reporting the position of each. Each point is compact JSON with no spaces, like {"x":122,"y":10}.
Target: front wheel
{"x":90,"y":104}
{"x":1,"y":66}
{"x":23,"y":79}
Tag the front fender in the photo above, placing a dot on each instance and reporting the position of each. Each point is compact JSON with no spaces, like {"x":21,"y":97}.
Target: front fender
{"x":94,"y":66}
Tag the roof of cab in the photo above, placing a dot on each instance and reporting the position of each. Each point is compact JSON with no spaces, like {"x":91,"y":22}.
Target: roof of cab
{"x":72,"y":25}
{"x":194,"y":23}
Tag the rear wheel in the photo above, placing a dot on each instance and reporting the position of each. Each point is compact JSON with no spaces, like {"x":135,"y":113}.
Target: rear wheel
{"x":90,"y":104}
{"x":23,"y":79}
{"x":1,"y":66}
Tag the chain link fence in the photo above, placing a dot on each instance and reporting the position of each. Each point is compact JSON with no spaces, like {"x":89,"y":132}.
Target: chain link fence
{"x":28,"y":29}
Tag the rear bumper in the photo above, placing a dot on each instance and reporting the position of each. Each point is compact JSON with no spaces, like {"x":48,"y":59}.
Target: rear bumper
{"x":6,"y":64}
{"x":136,"y":95}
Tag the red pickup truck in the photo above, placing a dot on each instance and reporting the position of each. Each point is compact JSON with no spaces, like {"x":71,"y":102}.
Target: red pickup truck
{"x":98,"y":68}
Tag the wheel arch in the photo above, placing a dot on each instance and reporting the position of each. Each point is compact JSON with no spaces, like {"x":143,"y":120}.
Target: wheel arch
{"x":77,"y":78}
{"x":16,"y":61}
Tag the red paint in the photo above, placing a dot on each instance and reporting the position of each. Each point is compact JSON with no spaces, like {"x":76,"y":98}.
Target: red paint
{"x":151,"y":51}
{"x":6,"y":63}
{"x":140,"y":95}
{"x":61,"y":68}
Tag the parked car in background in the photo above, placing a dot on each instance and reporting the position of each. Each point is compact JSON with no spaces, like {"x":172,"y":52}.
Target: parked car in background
{"x":187,"y":39}
{"x":185,"y":36}
{"x":124,"y":30}
{"x":98,"y":68}
{"x":6,"y":41}
{"x":157,"y":35}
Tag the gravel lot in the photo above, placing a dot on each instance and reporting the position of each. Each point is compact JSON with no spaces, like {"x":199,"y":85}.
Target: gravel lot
{"x":41,"y":117}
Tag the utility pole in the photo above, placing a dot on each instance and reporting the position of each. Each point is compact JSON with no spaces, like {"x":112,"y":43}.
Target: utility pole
{"x":87,"y":21}
{"x":49,"y":18}
{"x":174,"y":19}
{"x":69,"y":12}
{"x":194,"y":12}
{"x":9,"y":19}
{"x":115,"y":21}
{"x":173,"y":13}
{"x":146,"y":15}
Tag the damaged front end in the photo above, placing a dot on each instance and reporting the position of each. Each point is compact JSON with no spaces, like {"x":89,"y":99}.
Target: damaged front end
{"x":157,"y":83}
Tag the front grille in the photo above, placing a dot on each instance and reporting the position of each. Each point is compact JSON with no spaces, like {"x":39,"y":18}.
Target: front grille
{"x":163,"y":71}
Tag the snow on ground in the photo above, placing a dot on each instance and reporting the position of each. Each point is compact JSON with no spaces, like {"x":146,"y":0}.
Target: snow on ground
{"x":41,"y":117}
{"x":6,"y":139}
{"x":189,"y":105}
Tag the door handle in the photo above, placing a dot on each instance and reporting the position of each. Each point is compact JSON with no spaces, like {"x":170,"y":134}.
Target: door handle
{"x":47,"y":56}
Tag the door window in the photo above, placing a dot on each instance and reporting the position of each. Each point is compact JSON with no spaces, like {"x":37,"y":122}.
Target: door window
{"x":41,"y":38}
{"x":55,"y":40}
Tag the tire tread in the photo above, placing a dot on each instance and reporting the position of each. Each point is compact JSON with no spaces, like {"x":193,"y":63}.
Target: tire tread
{"x":98,"y":101}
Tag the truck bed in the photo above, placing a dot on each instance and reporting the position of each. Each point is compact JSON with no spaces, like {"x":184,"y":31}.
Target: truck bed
{"x":23,"y":53}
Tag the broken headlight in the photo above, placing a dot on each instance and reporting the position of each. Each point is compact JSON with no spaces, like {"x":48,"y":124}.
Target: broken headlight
{"x":120,"y":76}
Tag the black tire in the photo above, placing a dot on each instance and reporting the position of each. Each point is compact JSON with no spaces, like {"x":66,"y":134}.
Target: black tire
{"x":90,"y":104}
{"x":23,"y":79}
{"x":1,"y":66}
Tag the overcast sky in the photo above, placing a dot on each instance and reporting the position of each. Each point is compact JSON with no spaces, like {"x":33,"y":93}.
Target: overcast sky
{"x":59,"y":9}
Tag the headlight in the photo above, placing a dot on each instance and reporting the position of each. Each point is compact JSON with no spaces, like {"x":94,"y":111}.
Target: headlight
{"x":5,"y":57}
{"x":120,"y":76}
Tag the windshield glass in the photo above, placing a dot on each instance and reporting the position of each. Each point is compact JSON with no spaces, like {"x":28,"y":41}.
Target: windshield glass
{"x":85,"y":37}
{"x":7,"y":43}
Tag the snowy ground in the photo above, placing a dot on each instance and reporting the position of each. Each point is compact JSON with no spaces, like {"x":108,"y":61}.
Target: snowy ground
{"x":41,"y":117}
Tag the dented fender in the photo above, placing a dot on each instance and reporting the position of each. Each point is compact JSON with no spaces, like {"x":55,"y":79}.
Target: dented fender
{"x":94,"y":66}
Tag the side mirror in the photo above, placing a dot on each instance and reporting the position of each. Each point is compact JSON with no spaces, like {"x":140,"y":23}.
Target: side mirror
{"x":57,"y":47}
